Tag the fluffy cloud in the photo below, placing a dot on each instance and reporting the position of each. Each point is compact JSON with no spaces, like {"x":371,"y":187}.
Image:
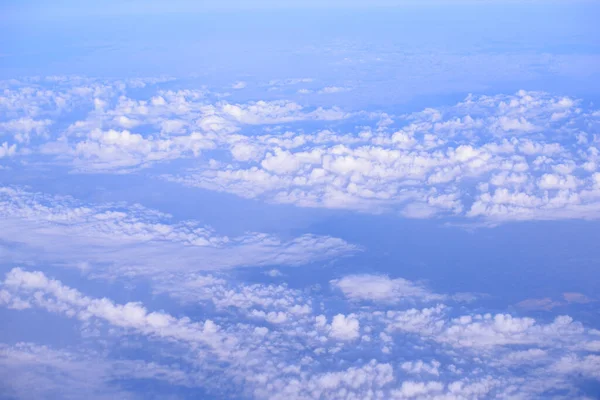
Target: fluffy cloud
{"x":333,"y":89}
{"x":208,"y":326}
{"x":381,"y":288}
{"x":264,"y":356}
{"x":22,"y":128}
{"x":174,"y":124}
{"x":6,"y":150}
{"x":344,"y":327}
{"x":56,"y":297}
{"x":485,"y":147}
{"x":239,"y":85}
{"x":525,"y":156}
{"x":420,"y":367}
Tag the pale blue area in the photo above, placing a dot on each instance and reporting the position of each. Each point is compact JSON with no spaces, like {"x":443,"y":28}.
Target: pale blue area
{"x":391,"y":56}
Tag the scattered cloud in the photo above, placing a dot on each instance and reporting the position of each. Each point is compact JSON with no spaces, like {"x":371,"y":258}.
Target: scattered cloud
{"x":333,"y":89}
{"x":525,"y":156}
{"x":132,"y":240}
{"x":548,"y":304}
{"x":382,"y":288}
{"x":577,"y":298}
{"x":277,"y":356}
{"x":196,"y":323}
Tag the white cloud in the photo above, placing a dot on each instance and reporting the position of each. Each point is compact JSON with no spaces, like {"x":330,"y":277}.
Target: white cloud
{"x":588,"y":366}
{"x":382,"y":288}
{"x":123,"y":150}
{"x":577,"y":298}
{"x":289,"y":82}
{"x":421,"y":367}
{"x":38,"y":371}
{"x":494,"y":158}
{"x":274,"y":273}
{"x":55,"y":297}
{"x":527,"y":147}
{"x":116,"y":239}
{"x":7,"y":150}
{"x":420,"y":173}
{"x":273,"y":360}
{"x":344,"y":327}
{"x":22,"y":128}
{"x":539,"y":304}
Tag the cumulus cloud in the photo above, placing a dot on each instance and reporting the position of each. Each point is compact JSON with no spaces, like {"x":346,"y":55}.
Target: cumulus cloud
{"x":485,"y":147}
{"x":529,"y":155}
{"x":6,"y":150}
{"x":58,"y":298}
{"x":333,"y":89}
{"x":382,"y":288}
{"x":184,"y":123}
{"x":289,"y":82}
{"x":420,"y":367}
{"x":344,"y":327}
{"x":203,"y":325}
{"x":279,"y":360}
{"x":68,"y":373}
{"x":22,"y":128}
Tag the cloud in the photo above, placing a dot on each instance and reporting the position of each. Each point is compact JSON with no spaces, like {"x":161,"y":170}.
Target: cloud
{"x":125,"y":151}
{"x":382,"y":288}
{"x":539,"y":304}
{"x":274,"y":303}
{"x":53,"y":372}
{"x":524,"y":156}
{"x":333,"y":89}
{"x":304,"y":355}
{"x":233,"y":344}
{"x":420,"y":367}
{"x":274,"y":273}
{"x":132,"y":318}
{"x":22,"y":128}
{"x":132,"y":240}
{"x":7,"y":151}
{"x":107,"y":138}
{"x":432,"y":166}
{"x":68,"y":374}
{"x":577,"y":298}
{"x":489,"y":159}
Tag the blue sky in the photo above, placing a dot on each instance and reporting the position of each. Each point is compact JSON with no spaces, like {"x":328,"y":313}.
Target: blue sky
{"x":299,"y":200}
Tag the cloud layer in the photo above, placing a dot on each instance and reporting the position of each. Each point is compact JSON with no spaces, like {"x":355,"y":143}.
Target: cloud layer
{"x":525,"y":156}
{"x":132,"y":240}
{"x":300,"y":352}
{"x":149,"y":305}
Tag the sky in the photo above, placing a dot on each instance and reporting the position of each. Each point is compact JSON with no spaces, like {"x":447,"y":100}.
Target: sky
{"x":299,"y":200}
